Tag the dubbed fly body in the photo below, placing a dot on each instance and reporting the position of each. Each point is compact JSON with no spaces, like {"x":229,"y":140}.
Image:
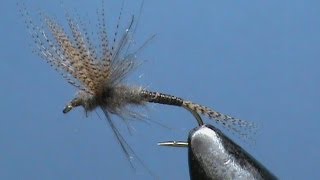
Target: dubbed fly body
{"x":99,"y":73}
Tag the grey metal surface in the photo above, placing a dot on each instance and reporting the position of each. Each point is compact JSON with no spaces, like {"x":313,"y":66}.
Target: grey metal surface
{"x":212,"y":155}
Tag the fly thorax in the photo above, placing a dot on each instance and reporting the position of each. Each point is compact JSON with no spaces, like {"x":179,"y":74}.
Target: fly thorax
{"x":120,"y":96}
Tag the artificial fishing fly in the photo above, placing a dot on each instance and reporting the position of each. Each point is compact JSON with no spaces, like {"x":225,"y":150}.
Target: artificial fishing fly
{"x":99,"y":77}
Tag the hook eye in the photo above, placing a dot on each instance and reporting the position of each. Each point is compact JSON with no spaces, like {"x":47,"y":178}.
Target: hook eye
{"x":67,"y":109}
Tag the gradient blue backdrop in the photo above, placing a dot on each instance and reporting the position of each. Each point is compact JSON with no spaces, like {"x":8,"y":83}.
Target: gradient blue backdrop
{"x":256,"y":60}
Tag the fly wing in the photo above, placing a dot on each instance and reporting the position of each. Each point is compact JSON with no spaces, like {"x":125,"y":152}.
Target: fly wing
{"x":72,"y":56}
{"x":49,"y":51}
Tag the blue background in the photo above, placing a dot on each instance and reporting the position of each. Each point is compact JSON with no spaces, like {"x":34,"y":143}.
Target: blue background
{"x":256,"y":60}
